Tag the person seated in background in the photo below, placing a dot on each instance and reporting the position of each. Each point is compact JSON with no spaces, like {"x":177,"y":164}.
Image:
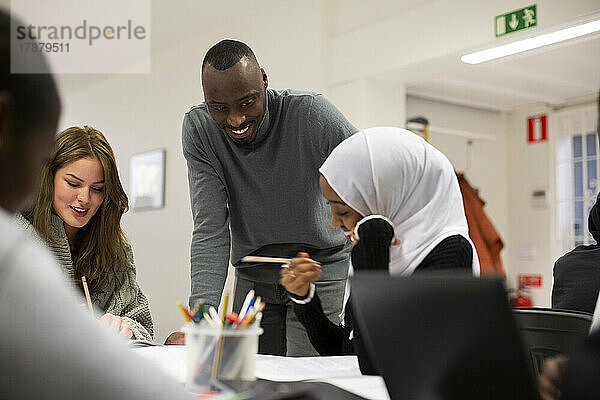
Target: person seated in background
{"x":78,"y":212}
{"x":577,"y":273}
{"x":397,"y":199}
{"x":574,"y":376}
{"x":50,"y":348}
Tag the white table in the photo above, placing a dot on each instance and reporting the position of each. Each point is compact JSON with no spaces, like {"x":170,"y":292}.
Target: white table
{"x":341,"y":371}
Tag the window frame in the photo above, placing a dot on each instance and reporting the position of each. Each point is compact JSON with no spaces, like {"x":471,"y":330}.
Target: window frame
{"x":571,"y":123}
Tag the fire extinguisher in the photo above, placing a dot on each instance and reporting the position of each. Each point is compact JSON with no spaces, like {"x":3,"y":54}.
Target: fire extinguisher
{"x":521,"y":298}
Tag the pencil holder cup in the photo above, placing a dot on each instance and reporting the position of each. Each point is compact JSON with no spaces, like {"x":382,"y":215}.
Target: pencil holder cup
{"x":220,"y":354}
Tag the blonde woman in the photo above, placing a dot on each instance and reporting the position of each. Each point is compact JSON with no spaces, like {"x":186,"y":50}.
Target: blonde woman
{"x":78,"y":212}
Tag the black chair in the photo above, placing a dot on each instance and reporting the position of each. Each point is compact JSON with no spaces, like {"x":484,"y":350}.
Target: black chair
{"x":548,"y":332}
{"x":434,"y":337}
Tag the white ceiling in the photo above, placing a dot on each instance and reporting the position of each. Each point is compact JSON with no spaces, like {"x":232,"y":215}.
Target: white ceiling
{"x":172,"y":21}
{"x":557,"y":75}
{"x":353,"y":14}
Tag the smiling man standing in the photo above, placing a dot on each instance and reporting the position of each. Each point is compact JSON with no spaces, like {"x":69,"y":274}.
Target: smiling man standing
{"x":253,"y":156}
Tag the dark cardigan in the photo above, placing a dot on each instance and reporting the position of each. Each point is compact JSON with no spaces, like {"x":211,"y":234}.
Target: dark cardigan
{"x":452,"y":253}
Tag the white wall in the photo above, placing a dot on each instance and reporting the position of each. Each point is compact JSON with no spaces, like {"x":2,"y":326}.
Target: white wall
{"x":371,"y":102}
{"x":530,"y":168}
{"x":484,"y":162}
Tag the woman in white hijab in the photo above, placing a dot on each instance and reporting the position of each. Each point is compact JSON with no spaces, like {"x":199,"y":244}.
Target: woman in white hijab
{"x":397,"y":198}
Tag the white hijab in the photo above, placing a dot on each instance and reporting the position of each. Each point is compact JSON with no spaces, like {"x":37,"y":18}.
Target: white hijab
{"x":395,"y":173}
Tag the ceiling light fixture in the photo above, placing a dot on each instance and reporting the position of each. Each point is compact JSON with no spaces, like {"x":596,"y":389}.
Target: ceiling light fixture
{"x":532,"y":43}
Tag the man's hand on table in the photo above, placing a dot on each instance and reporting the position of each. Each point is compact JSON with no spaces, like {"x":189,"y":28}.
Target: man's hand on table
{"x":175,"y":338}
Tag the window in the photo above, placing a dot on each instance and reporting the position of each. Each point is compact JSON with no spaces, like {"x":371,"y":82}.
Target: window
{"x":577,"y":165}
{"x":585,"y":163}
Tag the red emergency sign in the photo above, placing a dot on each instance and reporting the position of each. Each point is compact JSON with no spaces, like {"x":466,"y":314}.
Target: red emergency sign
{"x":530,"y":280}
{"x":537,"y":128}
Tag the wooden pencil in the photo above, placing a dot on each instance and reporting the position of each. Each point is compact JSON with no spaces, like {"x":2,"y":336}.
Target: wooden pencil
{"x":277,"y":260}
{"x":87,"y":295}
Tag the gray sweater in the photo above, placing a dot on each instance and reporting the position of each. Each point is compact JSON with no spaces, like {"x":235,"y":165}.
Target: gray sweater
{"x":262,"y":198}
{"x":123,"y":299}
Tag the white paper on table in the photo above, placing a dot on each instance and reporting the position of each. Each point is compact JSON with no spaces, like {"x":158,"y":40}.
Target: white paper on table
{"x":170,"y":359}
{"x":341,"y":371}
{"x":367,"y":386}
{"x":277,"y":368}
{"x":142,"y":343}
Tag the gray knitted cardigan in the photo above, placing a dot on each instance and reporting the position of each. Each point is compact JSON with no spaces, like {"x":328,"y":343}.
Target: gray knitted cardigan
{"x":124,"y":299}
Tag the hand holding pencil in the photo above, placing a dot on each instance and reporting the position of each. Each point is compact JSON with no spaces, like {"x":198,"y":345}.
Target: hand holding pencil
{"x":261,"y":259}
{"x":117,"y":323}
{"x":113,"y":321}
{"x":302,"y":271}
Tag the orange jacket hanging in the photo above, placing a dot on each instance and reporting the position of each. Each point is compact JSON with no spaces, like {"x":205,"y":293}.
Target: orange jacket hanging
{"x":481,"y":230}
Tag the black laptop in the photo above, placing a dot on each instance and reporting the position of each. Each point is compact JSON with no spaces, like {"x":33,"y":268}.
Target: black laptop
{"x":441,"y":337}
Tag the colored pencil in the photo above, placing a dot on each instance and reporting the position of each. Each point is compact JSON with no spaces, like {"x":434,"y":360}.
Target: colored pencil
{"x":184,"y":312}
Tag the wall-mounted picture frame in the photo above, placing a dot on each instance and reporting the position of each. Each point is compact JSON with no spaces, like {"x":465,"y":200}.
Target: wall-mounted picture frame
{"x":147,"y":180}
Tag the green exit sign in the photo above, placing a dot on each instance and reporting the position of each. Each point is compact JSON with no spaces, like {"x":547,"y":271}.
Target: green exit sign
{"x":516,"y":20}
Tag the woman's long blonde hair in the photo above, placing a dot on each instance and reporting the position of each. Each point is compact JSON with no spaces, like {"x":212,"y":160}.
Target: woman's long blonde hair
{"x":102,"y":243}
